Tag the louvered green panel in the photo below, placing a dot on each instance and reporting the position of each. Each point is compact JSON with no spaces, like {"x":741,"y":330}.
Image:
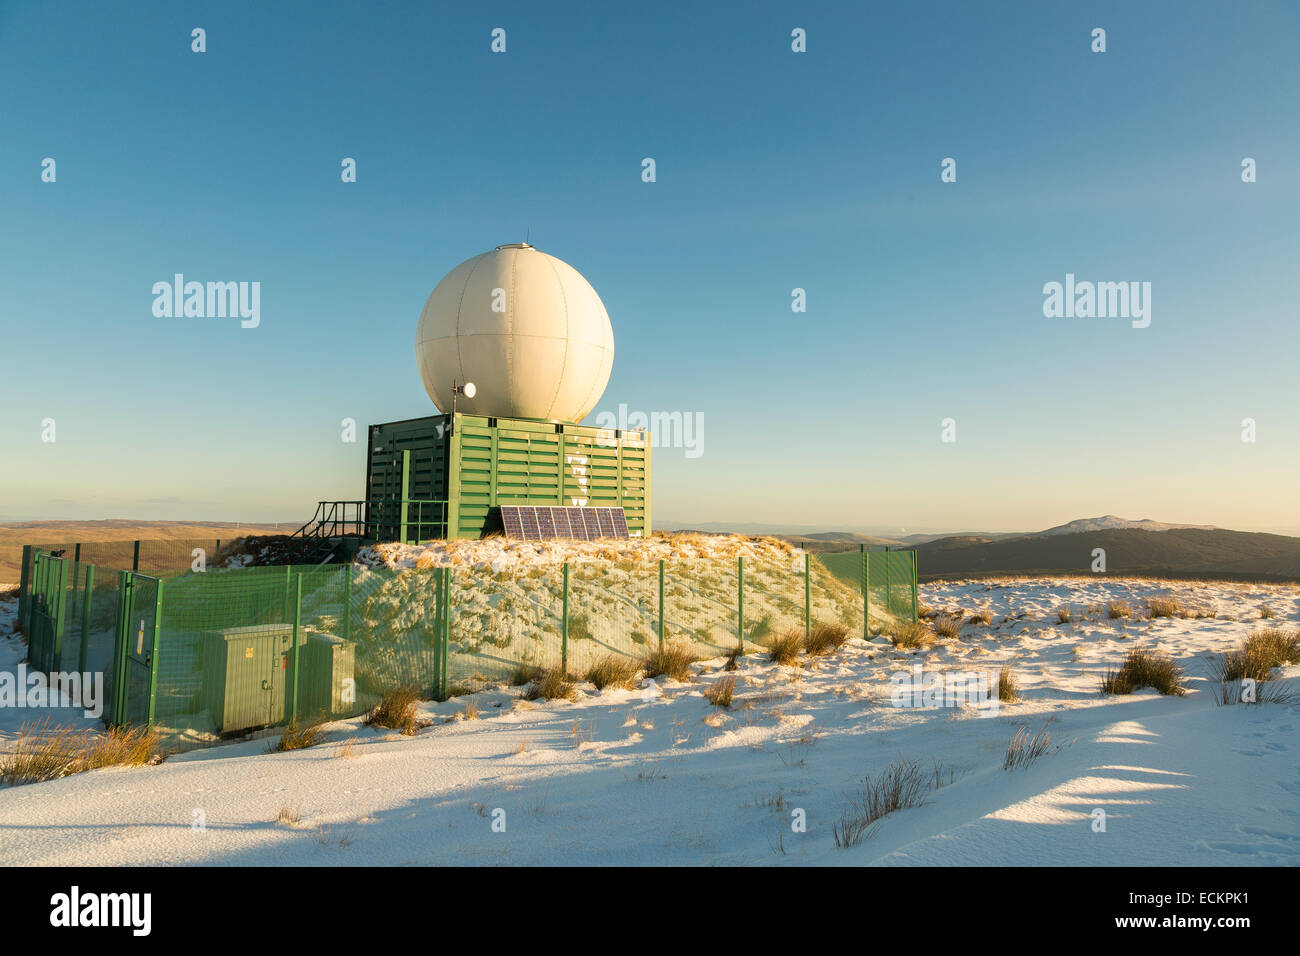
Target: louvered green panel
{"x":487,"y":462}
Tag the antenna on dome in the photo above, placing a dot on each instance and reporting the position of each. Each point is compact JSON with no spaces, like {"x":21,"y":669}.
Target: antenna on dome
{"x":528,"y":235}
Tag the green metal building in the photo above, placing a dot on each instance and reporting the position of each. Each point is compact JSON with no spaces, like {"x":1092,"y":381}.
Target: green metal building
{"x":447,"y":476}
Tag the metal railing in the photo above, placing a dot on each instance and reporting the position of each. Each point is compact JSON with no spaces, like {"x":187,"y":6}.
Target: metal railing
{"x":381,"y":519}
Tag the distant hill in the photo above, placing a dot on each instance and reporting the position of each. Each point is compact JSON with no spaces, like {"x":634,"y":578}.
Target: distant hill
{"x":829,"y":541}
{"x":1114,"y":523}
{"x":1175,"y":552}
{"x":13,"y":535}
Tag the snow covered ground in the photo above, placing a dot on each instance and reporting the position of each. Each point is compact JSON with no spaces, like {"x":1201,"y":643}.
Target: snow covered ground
{"x":659,"y":776}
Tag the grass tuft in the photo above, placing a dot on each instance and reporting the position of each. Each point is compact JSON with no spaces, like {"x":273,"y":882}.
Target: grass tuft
{"x":912,"y":634}
{"x":1259,"y":654}
{"x":720,"y":692}
{"x":550,"y":683}
{"x":396,"y":711}
{"x":1163,"y":607}
{"x":949,"y":625}
{"x":900,"y":786}
{"x":1117,"y":609}
{"x":674,"y":661}
{"x":784,"y":648}
{"x":1024,"y":748}
{"x":297,"y":737}
{"x":45,"y":752}
{"x":1008,"y":686}
{"x":1143,"y":668}
{"x":825,"y":639}
{"x":614,"y":670}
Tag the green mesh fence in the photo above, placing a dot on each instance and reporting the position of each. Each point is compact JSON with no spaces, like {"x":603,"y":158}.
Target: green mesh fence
{"x":213,"y":654}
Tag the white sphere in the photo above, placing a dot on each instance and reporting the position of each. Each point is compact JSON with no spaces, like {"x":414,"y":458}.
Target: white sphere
{"x":526,"y":328}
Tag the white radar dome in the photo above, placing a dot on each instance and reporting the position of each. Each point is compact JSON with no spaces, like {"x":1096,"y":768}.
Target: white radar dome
{"x":526,"y":328}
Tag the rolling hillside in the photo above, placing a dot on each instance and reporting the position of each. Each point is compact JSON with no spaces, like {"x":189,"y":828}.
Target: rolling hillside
{"x":16,"y":534}
{"x":1174,"y":552}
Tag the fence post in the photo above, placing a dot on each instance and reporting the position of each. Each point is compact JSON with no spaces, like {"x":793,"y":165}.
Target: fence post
{"x":740,"y":604}
{"x":661,"y":605}
{"x":914,"y":616}
{"x":24,"y":586}
{"x":297,"y":628}
{"x":406,"y":493}
{"x":807,"y":595}
{"x":118,"y":708}
{"x":135,"y":557}
{"x":889,"y":600}
{"x":153,"y":653}
{"x":347,"y":601}
{"x":85,"y":618}
{"x":444,"y":690}
{"x":865,"y":580}
{"x":444,"y":590}
{"x":76,"y":553}
{"x":61,"y":589}
{"x":564,"y":624}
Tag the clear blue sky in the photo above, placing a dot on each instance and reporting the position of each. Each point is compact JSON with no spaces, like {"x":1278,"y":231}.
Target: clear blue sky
{"x":776,"y":170}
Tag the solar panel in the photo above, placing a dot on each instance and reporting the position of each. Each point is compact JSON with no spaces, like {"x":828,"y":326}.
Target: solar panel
{"x":541,"y":522}
{"x":511,"y":523}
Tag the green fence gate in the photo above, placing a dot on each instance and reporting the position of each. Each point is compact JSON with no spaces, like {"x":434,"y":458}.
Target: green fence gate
{"x":47,"y":611}
{"x":135,"y":659}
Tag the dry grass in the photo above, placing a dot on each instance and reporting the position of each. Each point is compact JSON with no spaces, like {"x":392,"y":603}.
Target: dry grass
{"x":980,"y":617}
{"x":900,"y":786}
{"x":550,"y":683}
{"x":43,"y":752}
{"x":1259,"y":654}
{"x":347,"y":749}
{"x":720,"y":692}
{"x":1024,"y":748}
{"x":396,"y":711}
{"x":1117,"y":609}
{"x":288,"y":817}
{"x":912,"y":634}
{"x":1163,"y":607}
{"x":1266,"y":613}
{"x":948,"y":626}
{"x":674,"y":661}
{"x":1143,"y":668}
{"x":825,"y":639}
{"x":522,"y":674}
{"x":297,"y":737}
{"x":471,"y":711}
{"x":1008,"y":686}
{"x":613,"y":670}
{"x":1063,"y":614}
{"x":784,"y":648}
